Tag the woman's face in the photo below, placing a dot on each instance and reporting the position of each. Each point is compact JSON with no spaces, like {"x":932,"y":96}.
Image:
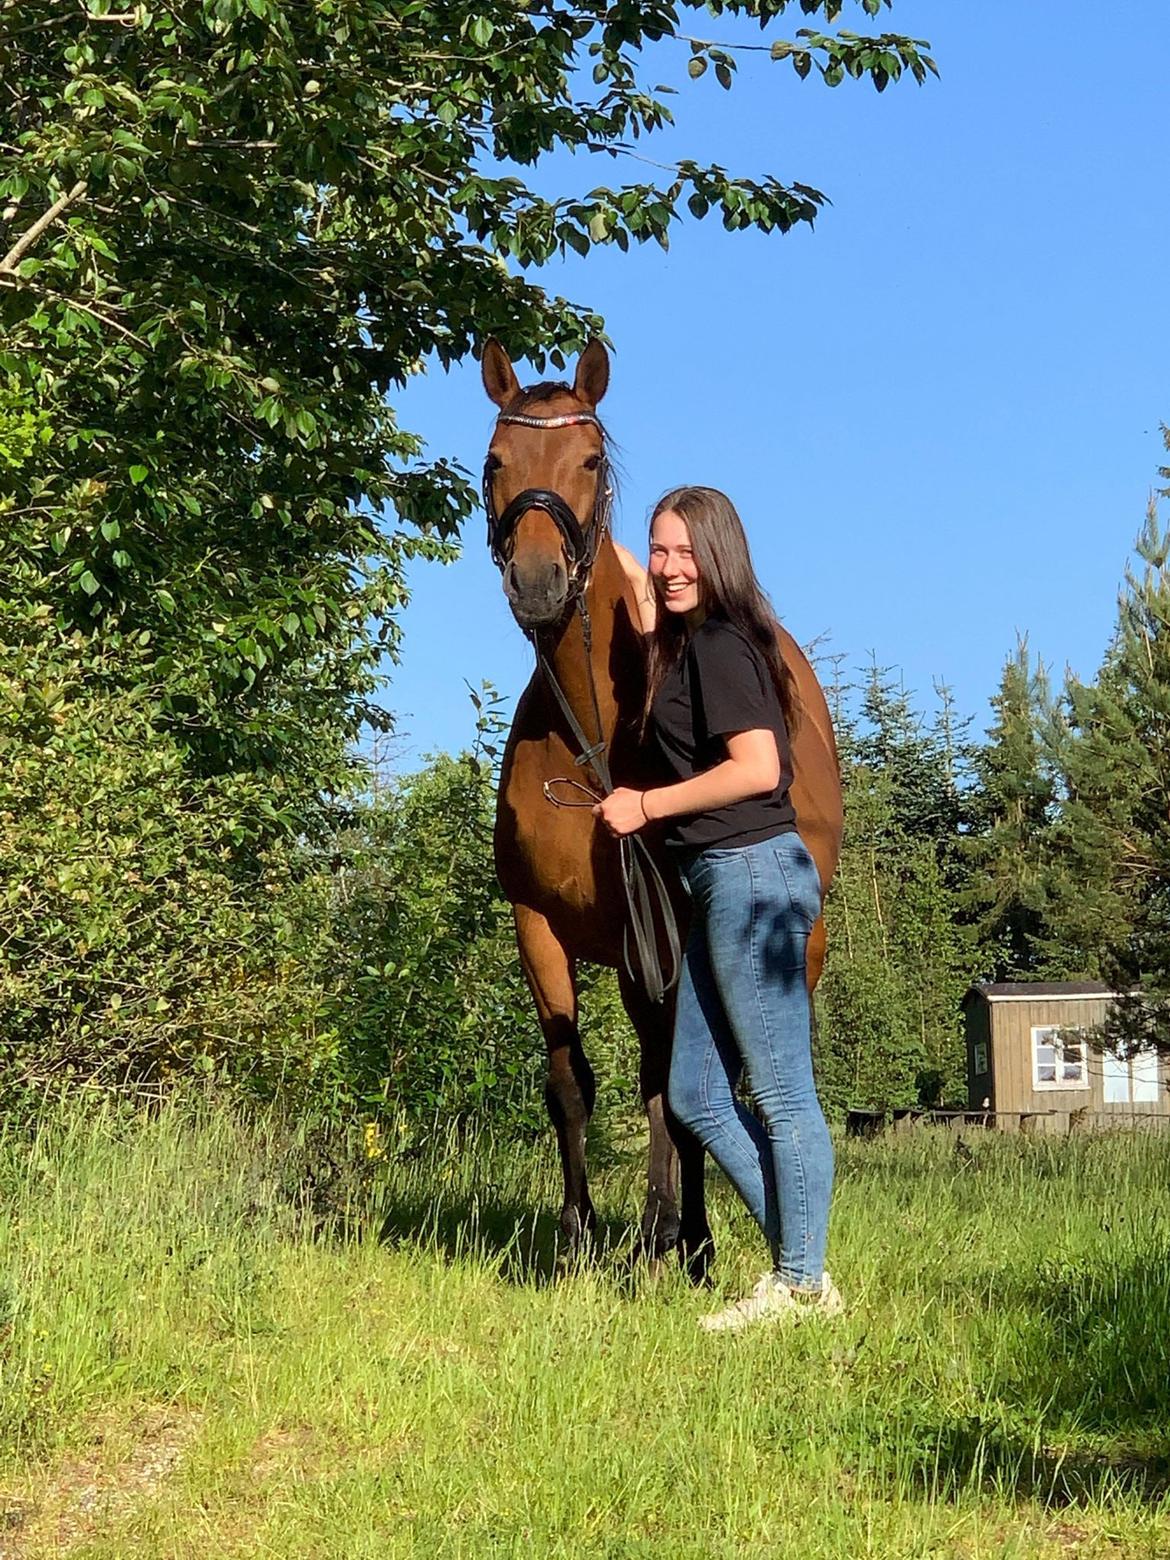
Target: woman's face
{"x":672,"y":565}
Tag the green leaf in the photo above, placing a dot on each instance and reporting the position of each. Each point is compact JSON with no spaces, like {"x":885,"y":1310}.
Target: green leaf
{"x":139,"y":474}
{"x":696,"y":66}
{"x":89,"y":583}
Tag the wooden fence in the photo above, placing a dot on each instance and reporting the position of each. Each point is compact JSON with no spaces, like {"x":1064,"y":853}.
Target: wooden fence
{"x":869,"y":1123}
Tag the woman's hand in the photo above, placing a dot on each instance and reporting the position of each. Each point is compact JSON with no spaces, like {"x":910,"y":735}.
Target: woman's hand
{"x":623,"y":811}
{"x":643,"y":590}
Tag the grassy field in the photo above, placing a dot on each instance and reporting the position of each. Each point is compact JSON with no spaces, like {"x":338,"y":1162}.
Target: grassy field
{"x":217,"y":1341}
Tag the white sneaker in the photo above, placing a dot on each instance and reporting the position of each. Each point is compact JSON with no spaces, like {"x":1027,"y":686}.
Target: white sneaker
{"x":827,"y":1303}
{"x":772,"y":1299}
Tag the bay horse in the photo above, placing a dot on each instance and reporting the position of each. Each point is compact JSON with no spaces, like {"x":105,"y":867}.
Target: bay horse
{"x":547,"y":496}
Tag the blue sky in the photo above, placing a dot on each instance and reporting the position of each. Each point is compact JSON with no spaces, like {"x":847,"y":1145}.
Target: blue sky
{"x":938,"y":412}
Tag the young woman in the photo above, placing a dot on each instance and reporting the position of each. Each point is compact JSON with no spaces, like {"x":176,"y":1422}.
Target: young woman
{"x":718,"y":707}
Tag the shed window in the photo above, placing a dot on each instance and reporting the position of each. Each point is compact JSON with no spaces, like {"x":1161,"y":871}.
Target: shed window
{"x":1133,"y":1080}
{"x":1058,"y":1059}
{"x":1143,"y":1070}
{"x":1115,"y":1074}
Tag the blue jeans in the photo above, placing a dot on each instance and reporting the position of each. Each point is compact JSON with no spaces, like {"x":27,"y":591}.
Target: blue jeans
{"x":743,"y":1003}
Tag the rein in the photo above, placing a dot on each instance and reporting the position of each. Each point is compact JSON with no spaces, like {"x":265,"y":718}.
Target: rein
{"x":642,"y":882}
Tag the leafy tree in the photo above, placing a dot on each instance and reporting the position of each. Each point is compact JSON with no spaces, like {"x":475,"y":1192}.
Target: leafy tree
{"x":134,"y":946}
{"x":1009,"y":852}
{"x":232,"y":226}
{"x":228,"y":229}
{"x":22,"y":428}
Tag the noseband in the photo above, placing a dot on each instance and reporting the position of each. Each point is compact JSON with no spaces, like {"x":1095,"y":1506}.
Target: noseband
{"x":581,"y":542}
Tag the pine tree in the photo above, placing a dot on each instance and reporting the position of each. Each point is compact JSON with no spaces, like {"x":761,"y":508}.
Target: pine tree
{"x":898,"y":957}
{"x":1116,"y":831}
{"x":1009,"y":851}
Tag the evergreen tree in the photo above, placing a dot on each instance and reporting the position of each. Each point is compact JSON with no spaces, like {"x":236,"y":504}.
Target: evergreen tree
{"x":898,"y":954}
{"x":1008,"y":855}
{"x":1116,"y":819}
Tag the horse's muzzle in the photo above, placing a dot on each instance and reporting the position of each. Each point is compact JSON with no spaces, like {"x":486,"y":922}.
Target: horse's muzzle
{"x":537,"y":594}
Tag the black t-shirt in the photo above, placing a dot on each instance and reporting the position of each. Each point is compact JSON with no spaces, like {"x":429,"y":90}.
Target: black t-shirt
{"x":721,"y":685}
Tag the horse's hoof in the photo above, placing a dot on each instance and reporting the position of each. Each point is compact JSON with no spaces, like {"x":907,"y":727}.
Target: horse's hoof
{"x":696,"y":1262}
{"x":659,"y":1236}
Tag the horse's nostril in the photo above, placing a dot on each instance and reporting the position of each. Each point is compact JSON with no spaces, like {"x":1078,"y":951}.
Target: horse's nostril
{"x":547,"y":579}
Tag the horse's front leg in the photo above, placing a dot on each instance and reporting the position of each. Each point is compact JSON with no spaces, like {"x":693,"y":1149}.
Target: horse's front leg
{"x":570,"y":1088}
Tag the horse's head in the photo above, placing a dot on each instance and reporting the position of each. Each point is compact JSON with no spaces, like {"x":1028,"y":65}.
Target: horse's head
{"x":546,"y":484}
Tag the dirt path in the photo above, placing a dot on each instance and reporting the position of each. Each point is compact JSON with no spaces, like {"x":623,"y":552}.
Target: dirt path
{"x":122,"y":1468}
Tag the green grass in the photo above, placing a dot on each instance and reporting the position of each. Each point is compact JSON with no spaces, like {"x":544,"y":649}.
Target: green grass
{"x":207,"y":1349}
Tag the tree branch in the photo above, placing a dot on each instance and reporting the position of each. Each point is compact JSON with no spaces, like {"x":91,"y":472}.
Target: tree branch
{"x":119,"y":18}
{"x":27,"y":239}
{"x":7,"y":279}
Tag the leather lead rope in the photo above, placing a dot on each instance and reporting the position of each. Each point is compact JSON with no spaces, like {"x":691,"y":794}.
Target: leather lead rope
{"x":642,"y":883}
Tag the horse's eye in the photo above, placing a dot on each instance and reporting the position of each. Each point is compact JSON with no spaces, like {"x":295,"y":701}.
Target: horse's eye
{"x":493,"y":461}
{"x":593,"y":462}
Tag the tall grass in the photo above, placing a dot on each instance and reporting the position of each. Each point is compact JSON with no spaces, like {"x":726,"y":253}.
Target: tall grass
{"x":378,"y":1356}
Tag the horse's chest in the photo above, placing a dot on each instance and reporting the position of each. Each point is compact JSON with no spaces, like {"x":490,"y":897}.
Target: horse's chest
{"x":555,"y":856}
{"x":544,"y":852}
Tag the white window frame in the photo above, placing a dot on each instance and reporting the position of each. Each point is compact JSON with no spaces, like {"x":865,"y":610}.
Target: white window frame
{"x":1139,"y":1072}
{"x":1145,"y":1078}
{"x":1131,"y":1078}
{"x":1051,"y":1035}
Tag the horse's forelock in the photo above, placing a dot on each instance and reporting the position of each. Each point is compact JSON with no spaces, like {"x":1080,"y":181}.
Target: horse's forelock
{"x":537,"y":395}
{"x":540,"y":395}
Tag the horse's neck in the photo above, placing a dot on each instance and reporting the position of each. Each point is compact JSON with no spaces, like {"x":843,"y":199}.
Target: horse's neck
{"x":610,"y":667}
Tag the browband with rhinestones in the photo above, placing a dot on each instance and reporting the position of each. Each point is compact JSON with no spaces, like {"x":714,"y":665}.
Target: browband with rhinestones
{"x":567,"y":421}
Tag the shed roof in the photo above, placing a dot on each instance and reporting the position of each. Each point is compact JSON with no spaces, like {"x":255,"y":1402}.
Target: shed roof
{"x":1031,"y":990}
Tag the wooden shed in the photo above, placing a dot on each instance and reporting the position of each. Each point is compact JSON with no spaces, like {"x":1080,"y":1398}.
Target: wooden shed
{"x":1027,"y":1063}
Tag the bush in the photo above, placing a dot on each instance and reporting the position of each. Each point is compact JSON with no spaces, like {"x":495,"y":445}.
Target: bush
{"x":142,"y":936}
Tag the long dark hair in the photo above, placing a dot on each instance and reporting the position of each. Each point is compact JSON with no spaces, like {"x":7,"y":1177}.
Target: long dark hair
{"x":728,"y":587}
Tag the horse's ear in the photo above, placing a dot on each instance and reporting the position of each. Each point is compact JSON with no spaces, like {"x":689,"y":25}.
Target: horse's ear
{"x":592,"y":379}
{"x":499,"y":377}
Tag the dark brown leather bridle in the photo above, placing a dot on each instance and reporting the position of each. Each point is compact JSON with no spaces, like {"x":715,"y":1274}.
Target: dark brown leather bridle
{"x":581,"y":543}
{"x":642,"y":881}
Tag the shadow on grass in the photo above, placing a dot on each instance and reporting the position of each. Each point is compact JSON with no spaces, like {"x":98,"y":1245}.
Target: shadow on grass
{"x":1078,"y":1389}
{"x":1054,"y":1475}
{"x":524,"y":1245}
